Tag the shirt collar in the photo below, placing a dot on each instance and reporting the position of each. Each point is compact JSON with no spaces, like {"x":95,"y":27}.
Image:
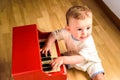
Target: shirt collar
{"x":74,"y":38}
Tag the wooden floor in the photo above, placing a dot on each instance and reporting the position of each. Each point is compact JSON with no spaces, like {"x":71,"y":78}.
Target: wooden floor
{"x":49,"y":15}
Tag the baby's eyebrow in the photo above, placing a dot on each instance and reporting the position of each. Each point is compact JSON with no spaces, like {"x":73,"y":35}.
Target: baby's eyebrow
{"x":78,"y":27}
{"x":82,"y":27}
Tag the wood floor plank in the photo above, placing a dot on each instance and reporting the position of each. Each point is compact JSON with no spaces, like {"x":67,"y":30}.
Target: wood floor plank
{"x":49,"y":15}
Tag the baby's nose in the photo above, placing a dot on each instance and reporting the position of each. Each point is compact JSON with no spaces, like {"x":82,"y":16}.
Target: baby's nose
{"x":84,"y":32}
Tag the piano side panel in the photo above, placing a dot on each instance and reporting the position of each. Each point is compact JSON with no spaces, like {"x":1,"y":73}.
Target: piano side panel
{"x":25,"y":49}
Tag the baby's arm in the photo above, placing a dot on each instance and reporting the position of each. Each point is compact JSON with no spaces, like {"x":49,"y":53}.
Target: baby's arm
{"x":75,"y":59}
{"x":51,"y":39}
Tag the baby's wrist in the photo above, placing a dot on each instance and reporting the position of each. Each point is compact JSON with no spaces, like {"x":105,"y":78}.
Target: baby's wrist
{"x":62,"y":60}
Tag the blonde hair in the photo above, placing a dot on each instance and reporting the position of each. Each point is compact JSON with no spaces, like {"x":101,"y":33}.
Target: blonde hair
{"x":78,"y":12}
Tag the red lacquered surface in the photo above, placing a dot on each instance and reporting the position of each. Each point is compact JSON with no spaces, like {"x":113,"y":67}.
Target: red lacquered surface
{"x":26,"y":58}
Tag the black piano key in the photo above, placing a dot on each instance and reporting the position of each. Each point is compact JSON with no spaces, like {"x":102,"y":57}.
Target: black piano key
{"x":43,"y":55}
{"x":41,"y":44}
{"x":46,"y":65}
{"x":47,"y":68}
{"x":46,"y":58}
{"x":48,"y":54}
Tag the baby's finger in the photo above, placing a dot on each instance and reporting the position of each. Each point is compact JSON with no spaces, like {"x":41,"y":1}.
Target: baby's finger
{"x":55,"y":66}
{"x":52,"y":63}
{"x":43,"y":51}
{"x":40,"y":50}
{"x":46,"y":53}
{"x":58,"y":65}
{"x":50,"y":51}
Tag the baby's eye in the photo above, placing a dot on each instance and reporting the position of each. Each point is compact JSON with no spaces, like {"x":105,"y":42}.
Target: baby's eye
{"x":79,"y":29}
{"x":88,"y":28}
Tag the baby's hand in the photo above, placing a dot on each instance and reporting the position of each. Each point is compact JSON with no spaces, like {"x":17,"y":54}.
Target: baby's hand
{"x":57,"y":62}
{"x":45,"y":50}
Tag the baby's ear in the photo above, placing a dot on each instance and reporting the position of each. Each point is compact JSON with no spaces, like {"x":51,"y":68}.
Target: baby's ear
{"x":67,"y":28}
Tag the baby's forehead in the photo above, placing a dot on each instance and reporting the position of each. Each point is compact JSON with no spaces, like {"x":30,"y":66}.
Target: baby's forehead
{"x":88,"y":19}
{"x":80,"y":23}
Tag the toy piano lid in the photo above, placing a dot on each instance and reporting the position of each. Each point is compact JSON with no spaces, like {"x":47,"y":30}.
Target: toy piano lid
{"x":25,"y":49}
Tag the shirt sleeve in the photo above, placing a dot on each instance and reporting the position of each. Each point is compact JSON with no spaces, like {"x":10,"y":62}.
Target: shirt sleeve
{"x":59,"y":34}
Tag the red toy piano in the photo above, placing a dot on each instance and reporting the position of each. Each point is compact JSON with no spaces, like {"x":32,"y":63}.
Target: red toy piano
{"x":27,"y":61}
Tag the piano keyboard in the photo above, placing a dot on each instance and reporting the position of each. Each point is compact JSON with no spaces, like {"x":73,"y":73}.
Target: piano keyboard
{"x":46,"y":66}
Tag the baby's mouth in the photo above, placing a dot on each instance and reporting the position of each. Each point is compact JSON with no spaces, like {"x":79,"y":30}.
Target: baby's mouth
{"x":83,"y":37}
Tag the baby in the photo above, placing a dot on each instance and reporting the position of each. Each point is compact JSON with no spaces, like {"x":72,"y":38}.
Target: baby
{"x":81,"y":50}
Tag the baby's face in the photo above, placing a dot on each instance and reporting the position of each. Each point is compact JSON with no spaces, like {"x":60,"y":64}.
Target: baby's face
{"x":80,"y":29}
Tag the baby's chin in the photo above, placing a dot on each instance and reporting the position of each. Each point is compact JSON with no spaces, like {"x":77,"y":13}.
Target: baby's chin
{"x":83,"y":38}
